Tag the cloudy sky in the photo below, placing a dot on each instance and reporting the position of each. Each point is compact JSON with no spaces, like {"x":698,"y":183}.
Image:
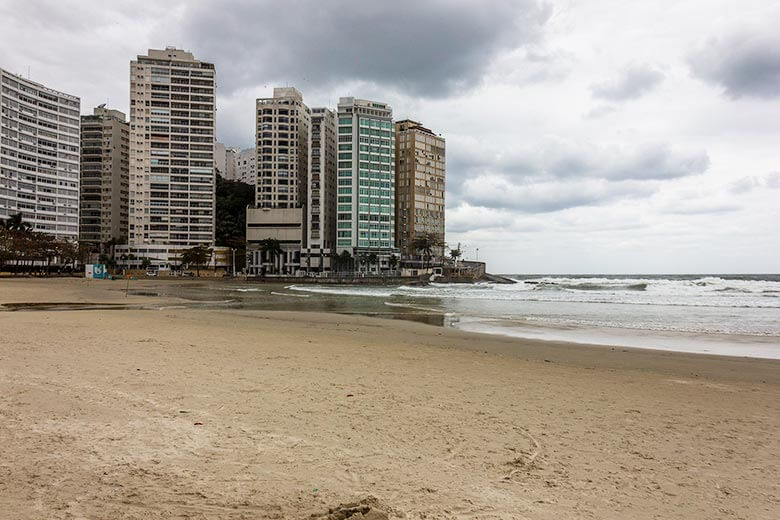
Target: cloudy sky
{"x":582,"y":136}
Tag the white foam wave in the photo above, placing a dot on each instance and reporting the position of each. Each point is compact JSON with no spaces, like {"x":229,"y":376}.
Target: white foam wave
{"x":292,"y":295}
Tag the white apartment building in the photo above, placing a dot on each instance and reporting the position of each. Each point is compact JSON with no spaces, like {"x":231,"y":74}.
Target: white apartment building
{"x":39,"y":155}
{"x":365,"y":218}
{"x":321,"y":197}
{"x":283,"y":141}
{"x":172,"y":138}
{"x":220,"y":158}
{"x":104,"y":177}
{"x":246,"y":171}
{"x":231,"y":163}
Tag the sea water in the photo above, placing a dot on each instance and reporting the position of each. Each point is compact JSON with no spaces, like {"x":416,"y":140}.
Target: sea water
{"x":717,"y":314}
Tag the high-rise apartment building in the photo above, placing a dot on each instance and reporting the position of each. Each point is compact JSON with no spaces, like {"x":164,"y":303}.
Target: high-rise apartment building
{"x":282,"y":138}
{"x":365,"y":219}
{"x":231,"y":163}
{"x":321,"y":198}
{"x":220,"y":158}
{"x":104,"y":177}
{"x":39,"y":156}
{"x":419,"y":187}
{"x":283,"y":133}
{"x":172,"y":136}
{"x":246,"y":170}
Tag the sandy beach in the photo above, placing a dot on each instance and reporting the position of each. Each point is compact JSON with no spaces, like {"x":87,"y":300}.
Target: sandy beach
{"x":165,"y":412}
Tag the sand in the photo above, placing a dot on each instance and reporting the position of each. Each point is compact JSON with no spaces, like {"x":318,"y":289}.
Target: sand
{"x":202,"y":414}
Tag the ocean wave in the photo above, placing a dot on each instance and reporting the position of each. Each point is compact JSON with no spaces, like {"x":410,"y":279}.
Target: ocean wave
{"x":411,"y":306}
{"x":734,"y":290}
{"x":590,"y":286}
{"x":344,"y":290}
{"x":293,"y":295}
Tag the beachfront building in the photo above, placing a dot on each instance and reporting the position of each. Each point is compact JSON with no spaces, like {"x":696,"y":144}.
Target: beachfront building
{"x":246,"y":171}
{"x":419,"y":188}
{"x":321,"y":197}
{"x":220,"y":158}
{"x":225,"y":161}
{"x":39,"y":156}
{"x":172,"y":137}
{"x":103,"y":202}
{"x":365,"y":218}
{"x":283,"y":135}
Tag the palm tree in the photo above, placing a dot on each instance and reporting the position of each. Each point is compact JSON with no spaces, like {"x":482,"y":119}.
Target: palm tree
{"x":425,"y":245}
{"x":198,"y":255}
{"x":373,"y":259}
{"x":15,"y":223}
{"x":346,"y":260}
{"x":108,"y":250}
{"x":393,"y":261}
{"x":272,"y":248}
{"x":363,"y":259}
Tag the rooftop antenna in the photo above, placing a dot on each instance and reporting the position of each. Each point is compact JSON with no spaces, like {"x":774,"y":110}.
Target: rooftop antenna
{"x":28,"y":72}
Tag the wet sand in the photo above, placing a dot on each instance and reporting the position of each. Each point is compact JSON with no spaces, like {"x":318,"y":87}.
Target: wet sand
{"x":194,"y":413}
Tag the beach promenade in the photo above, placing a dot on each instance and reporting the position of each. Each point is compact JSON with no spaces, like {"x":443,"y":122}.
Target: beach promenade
{"x":164,"y":412}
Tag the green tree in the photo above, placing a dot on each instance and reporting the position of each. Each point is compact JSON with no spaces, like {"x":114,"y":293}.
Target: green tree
{"x":393,"y":261}
{"x":7,"y":252}
{"x":373,"y":259}
{"x":233,"y":197}
{"x":455,"y":254}
{"x":145,"y":263}
{"x":425,"y":245}
{"x":363,"y":260}
{"x":15,"y":222}
{"x":272,"y":249}
{"x":198,"y":255}
{"x":345,"y":262}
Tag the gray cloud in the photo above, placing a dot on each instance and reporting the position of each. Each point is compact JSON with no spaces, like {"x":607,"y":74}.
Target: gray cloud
{"x":600,"y":111}
{"x":463,"y":218}
{"x":547,"y":197}
{"x":557,"y":176}
{"x":633,"y":82}
{"x":658,"y":163}
{"x":566,"y":160}
{"x":428,"y":49}
{"x":744,"y":63}
{"x":702,"y":207}
{"x":753,"y":182}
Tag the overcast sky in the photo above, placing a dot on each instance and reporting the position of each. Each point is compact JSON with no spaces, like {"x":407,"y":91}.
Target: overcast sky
{"x":597,"y":136}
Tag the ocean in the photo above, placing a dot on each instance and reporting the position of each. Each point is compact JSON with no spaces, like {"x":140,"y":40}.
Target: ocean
{"x":736,"y":315}
{"x":716,"y":314}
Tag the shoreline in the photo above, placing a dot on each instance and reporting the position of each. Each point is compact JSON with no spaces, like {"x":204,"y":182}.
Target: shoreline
{"x":236,"y":413}
{"x":144,"y":297}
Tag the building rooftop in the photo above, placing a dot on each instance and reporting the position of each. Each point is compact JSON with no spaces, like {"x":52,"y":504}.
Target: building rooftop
{"x":39,"y":86}
{"x":408,"y":124}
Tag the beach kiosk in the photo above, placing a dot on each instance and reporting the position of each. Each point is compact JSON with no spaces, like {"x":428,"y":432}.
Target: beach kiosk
{"x":95,"y":271}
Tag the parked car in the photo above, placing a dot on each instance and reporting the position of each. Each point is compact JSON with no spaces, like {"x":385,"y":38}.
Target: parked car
{"x":151,"y":272}
{"x":188,"y":274}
